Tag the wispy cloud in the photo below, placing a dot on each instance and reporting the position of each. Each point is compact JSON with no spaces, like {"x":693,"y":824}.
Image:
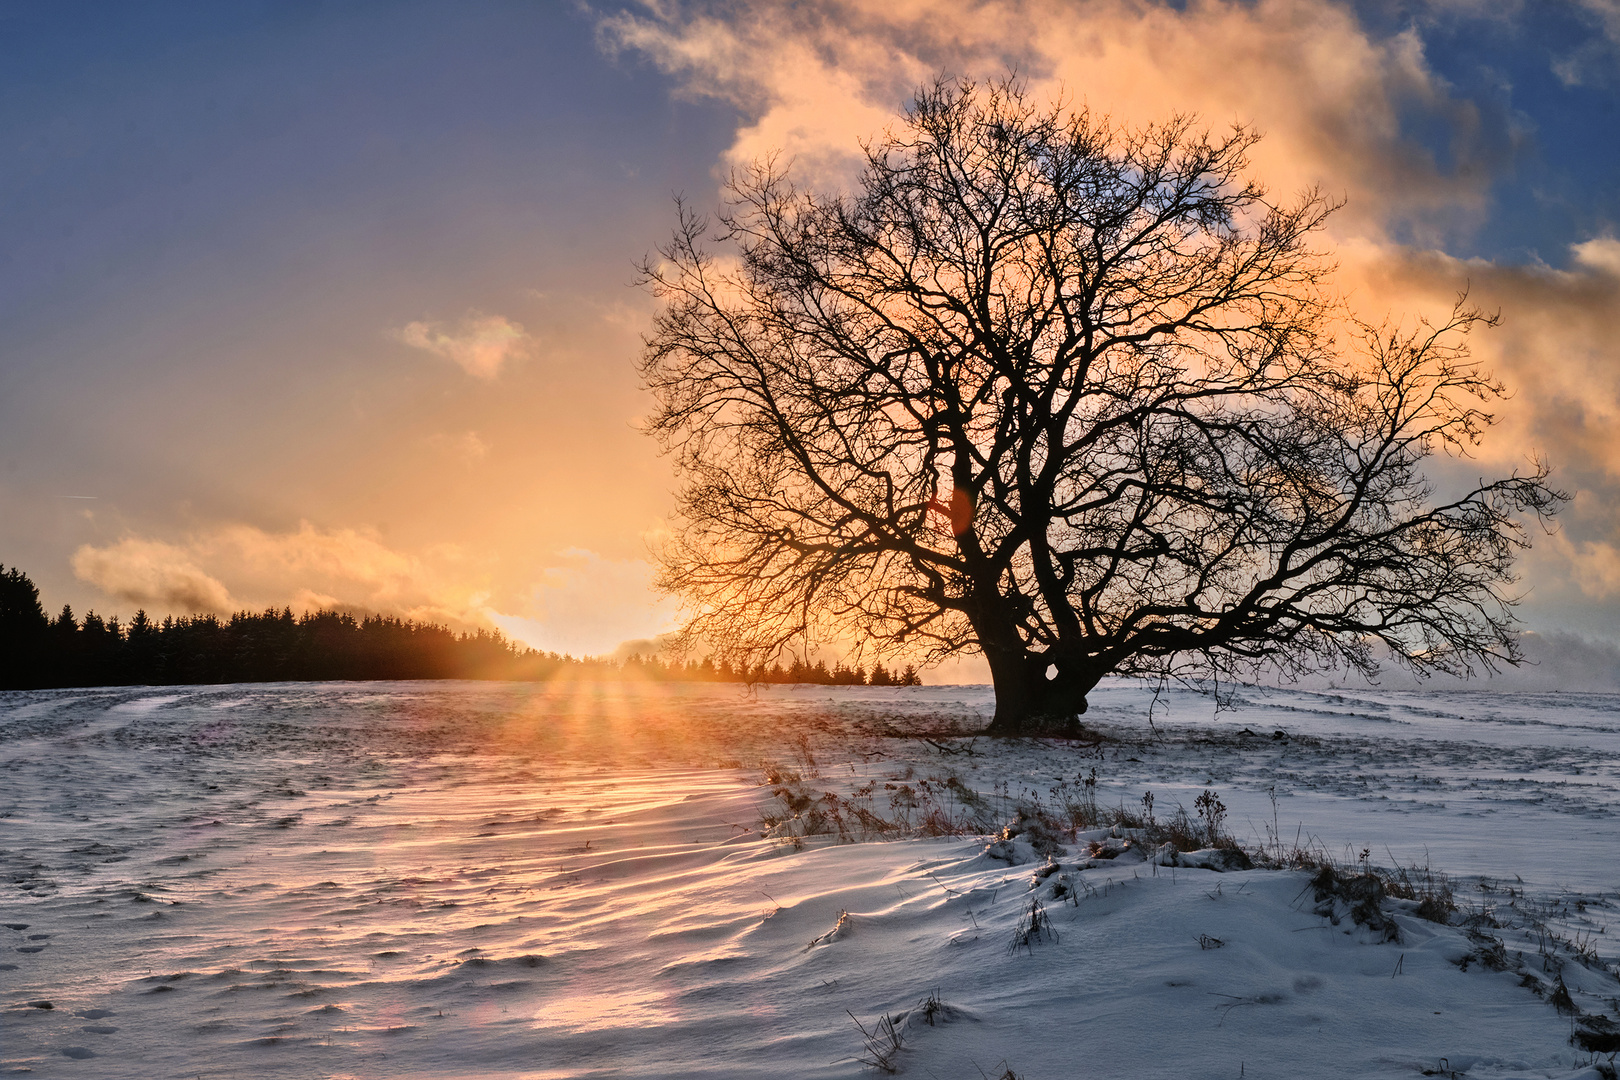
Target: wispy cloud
{"x":479,"y":344}
{"x":152,"y":573}
{"x":469,"y":447}
{"x":578,"y":601}
{"x":307,"y":568}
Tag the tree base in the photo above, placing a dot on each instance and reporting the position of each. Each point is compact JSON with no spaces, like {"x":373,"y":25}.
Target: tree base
{"x":1013,"y":724}
{"x":1041,"y":727}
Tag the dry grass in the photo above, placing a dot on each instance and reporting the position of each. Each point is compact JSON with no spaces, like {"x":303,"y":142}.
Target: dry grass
{"x":1034,"y":925}
{"x":907,"y":806}
{"x":933,"y":806}
{"x":882,"y":1043}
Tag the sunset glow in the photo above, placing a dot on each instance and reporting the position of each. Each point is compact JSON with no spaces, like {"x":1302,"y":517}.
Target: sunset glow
{"x":810,"y":539}
{"x":336,"y":311}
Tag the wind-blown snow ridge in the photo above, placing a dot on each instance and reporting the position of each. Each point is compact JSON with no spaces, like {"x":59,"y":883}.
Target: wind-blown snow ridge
{"x":454,"y":880}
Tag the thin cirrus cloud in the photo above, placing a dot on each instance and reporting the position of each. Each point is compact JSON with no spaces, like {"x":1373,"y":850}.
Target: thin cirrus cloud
{"x":468,"y":447}
{"x":481,"y":345}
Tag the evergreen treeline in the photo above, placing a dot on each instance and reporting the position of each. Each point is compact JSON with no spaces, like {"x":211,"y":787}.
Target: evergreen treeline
{"x":274,"y":646}
{"x":798,"y":672}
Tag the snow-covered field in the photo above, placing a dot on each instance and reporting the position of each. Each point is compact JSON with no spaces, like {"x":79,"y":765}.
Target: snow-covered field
{"x":384,"y":880}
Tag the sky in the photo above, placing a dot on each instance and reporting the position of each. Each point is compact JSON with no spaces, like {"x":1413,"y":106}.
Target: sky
{"x":317,"y":304}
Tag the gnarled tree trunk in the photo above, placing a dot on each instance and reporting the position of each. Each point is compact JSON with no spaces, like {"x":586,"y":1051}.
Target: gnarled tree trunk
{"x":1036,"y":693}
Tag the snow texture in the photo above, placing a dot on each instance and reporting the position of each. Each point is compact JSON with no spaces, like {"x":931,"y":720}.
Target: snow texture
{"x":460,"y":880}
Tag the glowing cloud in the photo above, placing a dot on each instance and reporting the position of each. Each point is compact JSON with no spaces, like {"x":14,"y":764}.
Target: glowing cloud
{"x":149,"y":572}
{"x":309,"y":568}
{"x":582,"y":603}
{"x":1336,"y":103}
{"x":818,"y":79}
{"x":479,"y":344}
{"x":1600,"y":254}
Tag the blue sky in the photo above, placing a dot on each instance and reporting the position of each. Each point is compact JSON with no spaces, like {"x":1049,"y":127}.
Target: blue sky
{"x":1545,"y":80}
{"x":332,"y":303}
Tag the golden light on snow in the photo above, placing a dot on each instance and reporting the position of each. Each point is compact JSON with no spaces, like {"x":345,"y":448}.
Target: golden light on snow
{"x":569,"y":879}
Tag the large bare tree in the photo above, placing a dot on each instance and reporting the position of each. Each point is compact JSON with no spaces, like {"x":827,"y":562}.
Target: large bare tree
{"x":1071,"y":395}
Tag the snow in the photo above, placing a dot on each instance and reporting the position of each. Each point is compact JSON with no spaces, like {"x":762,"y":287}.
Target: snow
{"x":568,"y":880}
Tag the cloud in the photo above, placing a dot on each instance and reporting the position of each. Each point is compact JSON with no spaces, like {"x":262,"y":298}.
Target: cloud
{"x":581,"y":603}
{"x":307,"y":569}
{"x":1335,"y":101}
{"x":1558,"y":662}
{"x":1557,"y":348}
{"x":1594,"y":565}
{"x":151,"y":573}
{"x":1593,"y":61}
{"x":479,"y":344}
{"x":812,"y":86}
{"x":1600,"y":255}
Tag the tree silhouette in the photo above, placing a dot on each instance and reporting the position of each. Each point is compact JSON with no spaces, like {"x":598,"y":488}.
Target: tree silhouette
{"x":23,"y":630}
{"x":1071,"y":395}
{"x":272,"y":645}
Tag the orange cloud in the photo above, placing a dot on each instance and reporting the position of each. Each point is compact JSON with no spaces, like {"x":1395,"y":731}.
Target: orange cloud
{"x":1334,"y":103}
{"x":582,"y":603}
{"x":815,"y":80}
{"x":341,"y":568}
{"x":479,"y":344}
{"x":150,"y":573}
{"x":1556,"y":348}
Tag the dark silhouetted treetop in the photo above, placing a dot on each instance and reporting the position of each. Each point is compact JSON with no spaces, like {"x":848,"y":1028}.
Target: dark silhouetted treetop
{"x":273,"y":646}
{"x":1068,"y":394}
{"x":24,"y":628}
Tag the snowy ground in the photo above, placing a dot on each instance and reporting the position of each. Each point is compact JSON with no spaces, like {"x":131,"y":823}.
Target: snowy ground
{"x":382,"y":880}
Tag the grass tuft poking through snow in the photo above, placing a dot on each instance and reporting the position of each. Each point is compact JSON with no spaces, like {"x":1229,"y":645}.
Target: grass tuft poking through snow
{"x":1033,"y":926}
{"x":882,"y":1042}
{"x":1025,"y":824}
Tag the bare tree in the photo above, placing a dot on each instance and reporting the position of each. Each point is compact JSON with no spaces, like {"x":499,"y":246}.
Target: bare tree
{"x":1070,"y":395}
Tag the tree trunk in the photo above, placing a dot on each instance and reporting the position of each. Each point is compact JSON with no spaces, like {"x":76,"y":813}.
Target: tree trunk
{"x":1027,"y":701}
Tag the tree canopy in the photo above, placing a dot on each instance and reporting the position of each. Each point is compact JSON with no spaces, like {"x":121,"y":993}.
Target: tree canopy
{"x":1074,"y":395}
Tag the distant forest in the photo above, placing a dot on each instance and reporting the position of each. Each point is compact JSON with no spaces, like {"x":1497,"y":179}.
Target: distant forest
{"x":37,"y":651}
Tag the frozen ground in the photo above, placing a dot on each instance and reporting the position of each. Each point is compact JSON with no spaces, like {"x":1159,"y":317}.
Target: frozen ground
{"x":381,"y":880}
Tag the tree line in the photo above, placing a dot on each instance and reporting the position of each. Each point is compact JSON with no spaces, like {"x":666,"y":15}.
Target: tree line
{"x":798,"y":671}
{"x":38,"y":651}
